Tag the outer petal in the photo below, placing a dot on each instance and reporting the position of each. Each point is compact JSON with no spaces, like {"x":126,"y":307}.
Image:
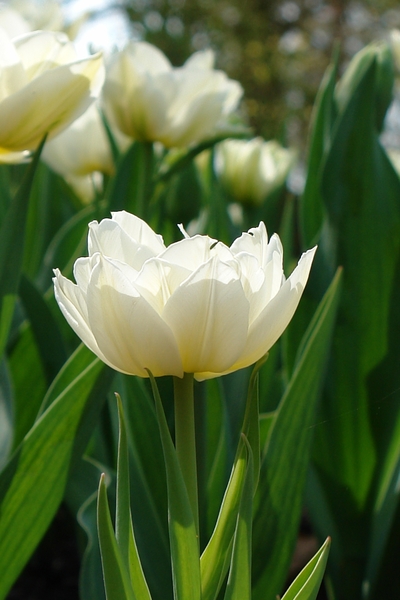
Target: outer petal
{"x":72,"y":302}
{"x":49,"y":103}
{"x":128,"y":331}
{"x":192,"y":252}
{"x":139,"y":230}
{"x":43,"y":50}
{"x":273,"y":320}
{"x":12,"y":21}
{"x":133,"y":97}
{"x":209,"y":314}
{"x":82,"y":148}
{"x":12,"y":74}
{"x":255,"y":242}
{"x":13,"y":158}
{"x":125,"y":238}
{"x":147,"y":58}
{"x":204,"y":59}
{"x":199,"y":105}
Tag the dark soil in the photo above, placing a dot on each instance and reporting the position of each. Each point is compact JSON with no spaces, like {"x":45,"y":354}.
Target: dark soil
{"x":53,"y":571}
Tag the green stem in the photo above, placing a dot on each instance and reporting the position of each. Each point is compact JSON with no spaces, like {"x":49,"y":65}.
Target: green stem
{"x":145,"y":179}
{"x":185,"y":438}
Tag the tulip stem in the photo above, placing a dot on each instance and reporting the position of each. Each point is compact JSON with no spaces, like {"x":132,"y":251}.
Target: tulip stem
{"x":144,"y":179}
{"x":185,"y":438}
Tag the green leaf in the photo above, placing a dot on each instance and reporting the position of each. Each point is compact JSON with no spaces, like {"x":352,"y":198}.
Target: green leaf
{"x":6,"y":413}
{"x":214,"y":456}
{"x":44,"y":327}
{"x":251,"y":425}
{"x":216,"y":556}
{"x":215,"y":559}
{"x":178,"y":160}
{"x":182,"y":530}
{"x":81,"y":498}
{"x":124,"y":531}
{"x":29,"y":381}
{"x":91,"y":582}
{"x":68,"y":243}
{"x":116,"y":579}
{"x":33,"y":482}
{"x":279,"y":497}
{"x":324,"y":112}
{"x":132,"y":187}
{"x":122,"y":509}
{"x":12,"y":237}
{"x":361,"y":193}
{"x":239,"y":580}
{"x":149,"y":503}
{"x":308,"y":582}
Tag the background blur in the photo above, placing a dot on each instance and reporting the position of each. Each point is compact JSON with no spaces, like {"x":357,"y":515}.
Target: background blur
{"x":277,"y":49}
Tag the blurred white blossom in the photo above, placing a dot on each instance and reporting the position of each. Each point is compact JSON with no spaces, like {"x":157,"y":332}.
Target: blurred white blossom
{"x":149,"y":100}
{"x":250,"y":170}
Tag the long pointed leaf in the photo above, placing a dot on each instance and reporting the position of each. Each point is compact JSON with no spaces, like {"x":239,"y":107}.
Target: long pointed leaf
{"x":12,"y":235}
{"x":283,"y":472}
{"x":307,"y":583}
{"x":239,"y":580}
{"x":32,"y":484}
{"x":116,"y":579}
{"x":216,"y":556}
{"x":123,"y":524}
{"x":183,"y":538}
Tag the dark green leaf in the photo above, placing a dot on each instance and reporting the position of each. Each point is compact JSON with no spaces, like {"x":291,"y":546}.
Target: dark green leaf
{"x":116,"y":578}
{"x":286,"y":455}
{"x":33,"y":482}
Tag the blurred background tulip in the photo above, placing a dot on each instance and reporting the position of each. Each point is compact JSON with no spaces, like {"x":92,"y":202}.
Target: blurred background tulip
{"x":82,"y":153}
{"x":149,"y":100}
{"x":44,"y":86}
{"x":251,"y":170}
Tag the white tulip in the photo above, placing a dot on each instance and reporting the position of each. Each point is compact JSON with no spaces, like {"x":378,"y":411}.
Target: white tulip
{"x":149,"y":100}
{"x":81,"y":153}
{"x":43,"y":88}
{"x":46,"y":14}
{"x":250,"y":170}
{"x":12,"y":21}
{"x":196,"y":306}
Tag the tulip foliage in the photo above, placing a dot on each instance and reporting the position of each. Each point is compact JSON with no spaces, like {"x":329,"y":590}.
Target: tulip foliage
{"x":231,"y":375}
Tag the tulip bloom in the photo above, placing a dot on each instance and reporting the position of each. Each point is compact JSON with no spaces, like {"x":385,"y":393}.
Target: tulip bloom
{"x":149,"y":100}
{"x":43,"y":88}
{"x":197,"y":306}
{"x":251,"y":170}
{"x":82,"y":153}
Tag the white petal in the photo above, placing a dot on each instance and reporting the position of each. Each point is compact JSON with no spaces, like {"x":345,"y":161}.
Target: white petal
{"x":204,"y":59}
{"x":49,"y":103}
{"x":192,"y":252}
{"x":139,"y":230}
{"x":82,"y":148}
{"x":275,"y":317}
{"x":208,"y":314}
{"x":109,"y":239}
{"x":127,"y":329}
{"x":43,"y":50}
{"x":158,"y":280}
{"x":255,"y":242}
{"x":72,"y":302}
{"x":147,"y":58}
